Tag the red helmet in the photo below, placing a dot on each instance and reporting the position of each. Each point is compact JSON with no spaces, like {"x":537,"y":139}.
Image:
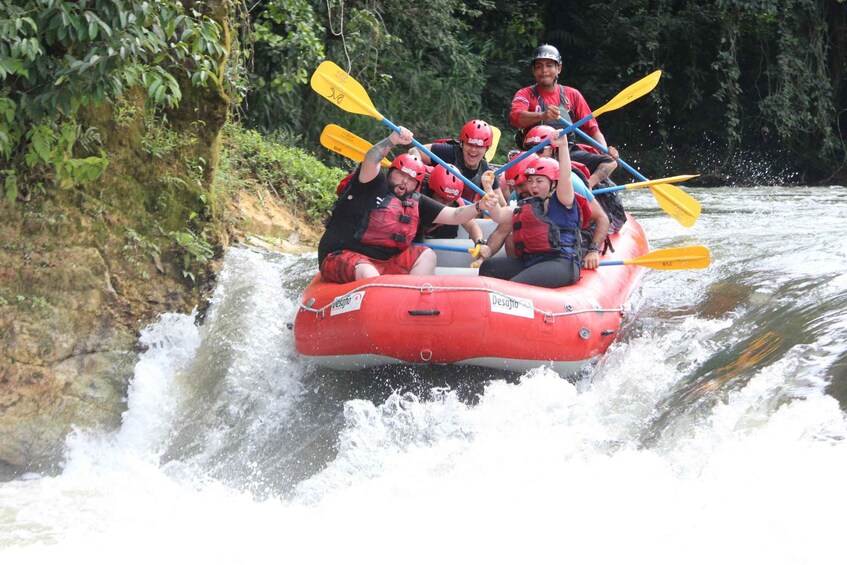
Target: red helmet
{"x":445,"y":183}
{"x":517,"y":173}
{"x":545,"y":167}
{"x":477,"y":132}
{"x":537,"y":135}
{"x":411,"y":165}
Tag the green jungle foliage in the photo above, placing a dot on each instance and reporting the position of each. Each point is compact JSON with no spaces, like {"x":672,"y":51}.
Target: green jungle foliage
{"x":305,"y":184}
{"x":58,"y":56}
{"x":744,"y":81}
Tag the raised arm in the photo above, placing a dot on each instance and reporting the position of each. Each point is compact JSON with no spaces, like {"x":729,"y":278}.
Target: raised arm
{"x":564,"y":188}
{"x":421,"y":155}
{"x":374,"y":156}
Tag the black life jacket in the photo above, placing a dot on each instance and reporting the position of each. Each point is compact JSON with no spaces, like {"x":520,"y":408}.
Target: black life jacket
{"x":612,"y":204}
{"x":542,"y":105}
{"x":537,"y":235}
{"x":393,"y":223}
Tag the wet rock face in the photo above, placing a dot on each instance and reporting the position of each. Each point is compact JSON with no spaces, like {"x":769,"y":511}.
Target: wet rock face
{"x":73,"y":297}
{"x":64,"y":362}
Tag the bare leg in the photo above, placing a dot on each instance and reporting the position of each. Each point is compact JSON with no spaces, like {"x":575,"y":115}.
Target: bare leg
{"x":365,"y":271}
{"x":425,"y":265}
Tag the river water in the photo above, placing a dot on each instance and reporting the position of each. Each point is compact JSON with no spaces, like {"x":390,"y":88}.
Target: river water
{"x":710,"y":432}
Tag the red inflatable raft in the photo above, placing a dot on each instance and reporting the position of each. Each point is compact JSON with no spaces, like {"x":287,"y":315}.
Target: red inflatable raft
{"x":468,"y":319}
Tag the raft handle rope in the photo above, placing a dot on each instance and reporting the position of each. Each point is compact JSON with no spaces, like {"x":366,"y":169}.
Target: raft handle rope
{"x":427,"y":288}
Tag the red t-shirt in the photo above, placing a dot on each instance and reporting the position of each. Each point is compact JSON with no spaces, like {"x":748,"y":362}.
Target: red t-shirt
{"x":525,"y":101}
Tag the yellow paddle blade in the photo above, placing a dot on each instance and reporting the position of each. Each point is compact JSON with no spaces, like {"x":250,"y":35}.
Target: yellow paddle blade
{"x":679,"y":205}
{"x":677,"y":178}
{"x":489,"y":155}
{"x":630,"y":93}
{"x":347,"y":143}
{"x":676,"y":258}
{"x":331,"y":82}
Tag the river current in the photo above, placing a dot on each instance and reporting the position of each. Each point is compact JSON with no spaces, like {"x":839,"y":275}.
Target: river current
{"x":713,"y":430}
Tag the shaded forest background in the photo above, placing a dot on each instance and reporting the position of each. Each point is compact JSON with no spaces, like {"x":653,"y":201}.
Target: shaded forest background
{"x":753,"y":91}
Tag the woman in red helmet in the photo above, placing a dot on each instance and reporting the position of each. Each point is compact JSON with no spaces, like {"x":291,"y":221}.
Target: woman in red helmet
{"x":445,"y":187}
{"x":546,"y":228}
{"x":539,"y":134}
{"x":467,"y":154}
{"x":377,"y":215}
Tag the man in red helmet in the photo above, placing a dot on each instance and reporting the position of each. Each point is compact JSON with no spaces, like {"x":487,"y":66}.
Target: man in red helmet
{"x":467,"y":154}
{"x":547,"y":100}
{"x":377,"y":215}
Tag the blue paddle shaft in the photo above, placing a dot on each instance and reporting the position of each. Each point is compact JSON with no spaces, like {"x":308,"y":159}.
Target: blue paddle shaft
{"x":437,"y":159}
{"x":442,"y":247}
{"x":469,"y":203}
{"x":541,"y":145}
{"x":609,"y":189}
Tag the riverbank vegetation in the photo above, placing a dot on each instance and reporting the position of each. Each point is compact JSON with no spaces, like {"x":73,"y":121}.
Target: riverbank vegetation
{"x":125,"y":102}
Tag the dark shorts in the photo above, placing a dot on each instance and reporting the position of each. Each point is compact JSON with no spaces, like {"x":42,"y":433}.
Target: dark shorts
{"x":340,"y":266}
{"x":552,"y":273}
{"x":589,"y":159}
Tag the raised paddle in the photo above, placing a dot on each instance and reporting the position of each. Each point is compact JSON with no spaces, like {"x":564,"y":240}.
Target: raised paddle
{"x":355,"y":148}
{"x":331,"y":82}
{"x":347,"y":143}
{"x":682,"y":207}
{"x":642,"y":184}
{"x":632,"y":92}
{"x":352,"y":146}
{"x":675,"y":258}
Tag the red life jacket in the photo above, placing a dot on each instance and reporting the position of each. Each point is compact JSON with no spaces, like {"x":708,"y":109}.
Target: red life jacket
{"x":393,"y":223}
{"x":344,"y":182}
{"x":579,"y":167}
{"x":589,"y":148}
{"x":564,"y":105}
{"x":535,"y":233}
{"x":584,"y":210}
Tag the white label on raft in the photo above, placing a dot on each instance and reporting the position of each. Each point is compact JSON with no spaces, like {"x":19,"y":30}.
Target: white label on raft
{"x":347,"y":303}
{"x":512,"y":306}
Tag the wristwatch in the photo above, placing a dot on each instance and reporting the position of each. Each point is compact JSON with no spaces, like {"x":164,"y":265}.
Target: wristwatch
{"x":482,"y":242}
{"x":594,"y":247}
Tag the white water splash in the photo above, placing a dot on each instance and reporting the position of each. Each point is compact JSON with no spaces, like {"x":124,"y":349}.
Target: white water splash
{"x":541,"y":470}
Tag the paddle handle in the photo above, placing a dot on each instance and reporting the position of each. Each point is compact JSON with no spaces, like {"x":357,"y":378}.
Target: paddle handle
{"x":541,"y":145}
{"x":437,"y":159}
{"x":610,"y":263}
